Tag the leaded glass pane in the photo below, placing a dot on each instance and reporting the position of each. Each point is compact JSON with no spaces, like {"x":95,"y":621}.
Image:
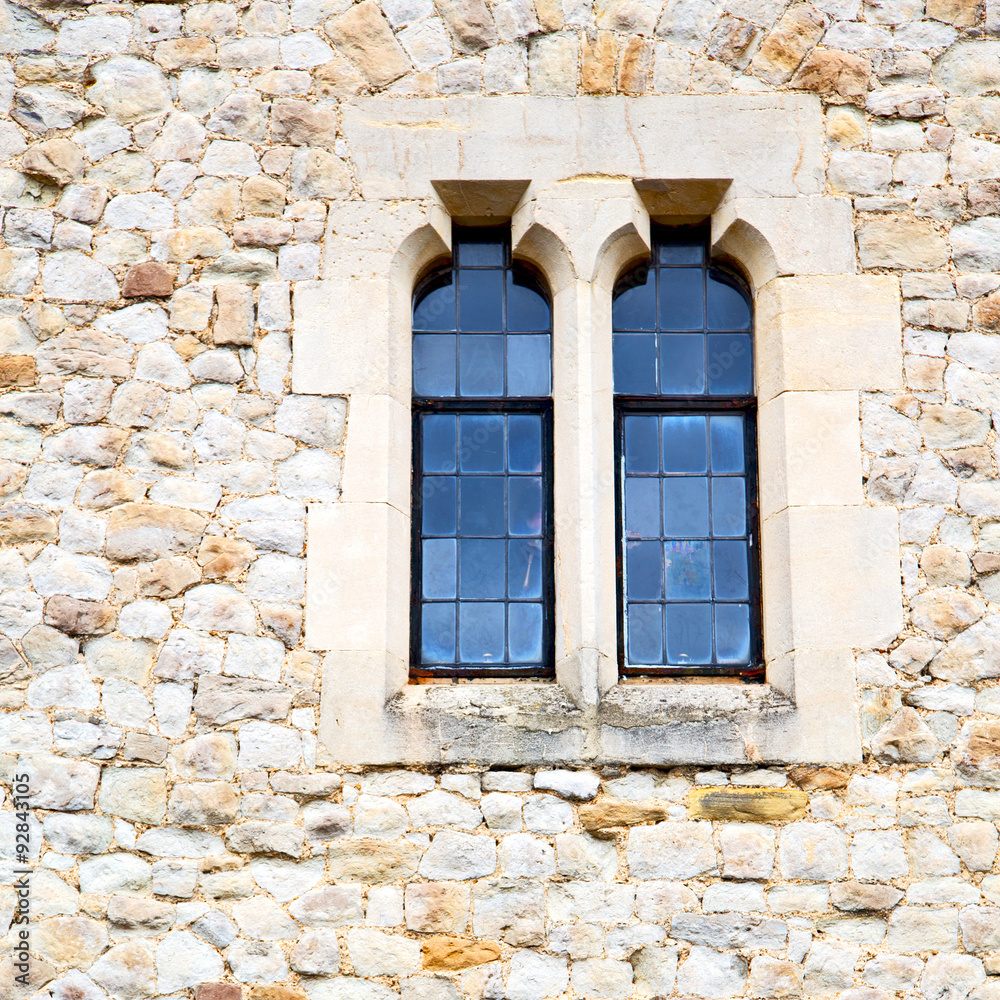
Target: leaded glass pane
{"x":482,"y":377}
{"x":683,"y":330}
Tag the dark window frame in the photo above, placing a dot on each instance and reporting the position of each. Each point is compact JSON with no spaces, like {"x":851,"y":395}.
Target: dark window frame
{"x":627,"y":404}
{"x":474,"y":405}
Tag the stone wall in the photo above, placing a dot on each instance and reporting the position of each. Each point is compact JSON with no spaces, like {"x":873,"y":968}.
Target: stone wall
{"x":167,"y":173}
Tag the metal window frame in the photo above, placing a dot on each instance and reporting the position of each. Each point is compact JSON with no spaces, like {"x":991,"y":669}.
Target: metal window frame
{"x":626,"y":404}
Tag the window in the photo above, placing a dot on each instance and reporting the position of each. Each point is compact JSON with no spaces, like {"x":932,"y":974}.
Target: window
{"x":686,"y":464}
{"x":482,"y":484}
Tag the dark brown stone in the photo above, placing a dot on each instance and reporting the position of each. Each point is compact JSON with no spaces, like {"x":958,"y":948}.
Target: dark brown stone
{"x":76,"y":617}
{"x":453,"y":953}
{"x":17,"y":369}
{"x":815,"y":779}
{"x":148,"y":280}
{"x":857,"y":896}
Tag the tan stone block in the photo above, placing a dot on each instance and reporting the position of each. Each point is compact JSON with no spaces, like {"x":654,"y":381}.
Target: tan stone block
{"x":834,"y":74}
{"x":186,"y":53}
{"x":224,"y":558}
{"x":338,"y":78}
{"x":818,"y":779}
{"x":21,"y":522}
{"x":815,"y":333}
{"x":901,"y":243}
{"x":437,"y":907}
{"x":598,"y":57}
{"x":17,"y":370}
{"x":376,"y":862}
{"x":451,"y":954}
{"x":364,"y":36}
{"x":56,"y":161}
{"x":272,"y":991}
{"x":636,"y":67}
{"x":300,"y":123}
{"x":602,"y":818}
{"x":799,"y":28}
{"x":810,"y":450}
{"x":234,"y":319}
{"x":78,"y":617}
{"x":831,"y":578}
{"x":263,"y":196}
{"x":960,"y":13}
{"x":747,"y":804}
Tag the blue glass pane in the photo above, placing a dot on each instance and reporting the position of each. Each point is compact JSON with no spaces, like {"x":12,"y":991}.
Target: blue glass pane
{"x":685,"y":447}
{"x":480,"y":633}
{"x":730,"y":364}
{"x":686,"y":570}
{"x":682,"y":364}
{"x":480,"y":301}
{"x":525,"y":511}
{"x":475,"y":254}
{"x":438,"y":565}
{"x":525,"y":633}
{"x":635,"y":308}
{"x":682,"y":299}
{"x":643,"y":571}
{"x":642,"y":445}
{"x":524,"y":568}
{"x":528,"y":365}
{"x":729,"y":507}
{"x":727,"y":308}
{"x":434,"y":365}
{"x":732,"y":633}
{"x":481,"y":507}
{"x":482,"y":443}
{"x":727,"y":444}
{"x":685,"y":507}
{"x":645,"y":633}
{"x":689,"y":633}
{"x":524,"y":443}
{"x":437,"y":633}
{"x":731,"y":576}
{"x":642,"y":508}
{"x":526,"y":309}
{"x":681,"y":253}
{"x":480,"y":364}
{"x":635,"y":363}
{"x":438,"y":493}
{"x":436,"y":310}
{"x":481,"y":568}
{"x":440,"y":450}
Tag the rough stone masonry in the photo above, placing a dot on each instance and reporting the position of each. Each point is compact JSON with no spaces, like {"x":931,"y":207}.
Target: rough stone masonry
{"x":167,"y":172}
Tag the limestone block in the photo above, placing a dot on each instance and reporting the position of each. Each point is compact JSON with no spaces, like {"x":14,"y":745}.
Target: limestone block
{"x":347,"y":607}
{"x":831,"y":578}
{"x":810,"y":450}
{"x":378,"y":433}
{"x":490,"y":128}
{"x":671,"y":850}
{"x":56,"y":161}
{"x":364,"y":36}
{"x":900,"y":243}
{"x":234,"y":322}
{"x":129,"y":89}
{"x":135,"y":793}
{"x":341,"y":342}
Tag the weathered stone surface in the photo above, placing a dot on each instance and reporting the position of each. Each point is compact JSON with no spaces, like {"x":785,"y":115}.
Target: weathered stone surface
{"x":754,"y":804}
{"x":373,"y":861}
{"x":152,"y":531}
{"x":364,"y":36}
{"x":671,"y":850}
{"x":602,"y":817}
{"x":834,"y":74}
{"x":912,"y":245}
{"x":56,"y":161}
{"x":787,"y":44}
{"x":977,"y":754}
{"x":149,"y":279}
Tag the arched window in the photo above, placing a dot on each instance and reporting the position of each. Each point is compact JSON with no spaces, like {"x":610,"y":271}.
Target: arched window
{"x":689,"y":592}
{"x":482,"y":482}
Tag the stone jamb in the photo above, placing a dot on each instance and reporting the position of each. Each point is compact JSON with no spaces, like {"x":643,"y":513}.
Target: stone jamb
{"x":831,"y":562}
